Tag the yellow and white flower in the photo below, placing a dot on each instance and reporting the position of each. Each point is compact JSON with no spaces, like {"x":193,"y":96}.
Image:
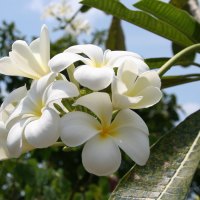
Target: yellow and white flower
{"x":7,"y":107}
{"x":97,"y":72}
{"x":29,"y":61}
{"x":103,"y":137}
{"x":34,"y":123}
{"x":134,"y":89}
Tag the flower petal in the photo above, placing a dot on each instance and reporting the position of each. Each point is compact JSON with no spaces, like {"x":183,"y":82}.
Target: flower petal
{"x":122,"y":101}
{"x":146,"y":79}
{"x":45,"y":47}
{"x":77,"y":128}
{"x":134,"y":143}
{"x":4,"y":154}
{"x":63,"y":60}
{"x":25,"y":107}
{"x":94,"y":52}
{"x":38,"y":87}
{"x":101,"y":157}
{"x":60,"y":89}
{"x":129,"y":118}
{"x":43,"y":132}
{"x":15,"y":138}
{"x":128,"y":73}
{"x":7,"y":67}
{"x":99,"y":103}
{"x":112,"y":56}
{"x":151,"y":96}
{"x":15,"y":96}
{"x":94,"y":78}
{"x":24,"y":52}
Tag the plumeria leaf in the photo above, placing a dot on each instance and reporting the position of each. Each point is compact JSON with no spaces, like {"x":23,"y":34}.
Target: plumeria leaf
{"x":170,"y":169}
{"x":116,"y":39}
{"x":152,"y":23}
{"x":170,"y":81}
{"x":171,"y":15}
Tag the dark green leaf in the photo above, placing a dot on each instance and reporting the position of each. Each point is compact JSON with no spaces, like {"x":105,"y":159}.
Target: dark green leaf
{"x":189,"y":59}
{"x":173,"y":16}
{"x":141,"y":19}
{"x":170,"y":169}
{"x":179,"y":3}
{"x":170,"y":81}
{"x":116,"y":40}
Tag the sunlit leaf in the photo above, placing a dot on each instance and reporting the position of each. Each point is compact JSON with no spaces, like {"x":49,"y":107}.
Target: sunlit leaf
{"x":170,"y":169}
{"x":141,"y":19}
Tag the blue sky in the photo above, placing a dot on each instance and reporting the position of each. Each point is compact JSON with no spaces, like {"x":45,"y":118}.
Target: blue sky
{"x":27,"y":16}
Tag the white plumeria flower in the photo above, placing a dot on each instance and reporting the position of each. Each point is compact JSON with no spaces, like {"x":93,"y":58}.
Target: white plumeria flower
{"x":133,"y":89}
{"x":101,"y":154}
{"x":97,"y":72}
{"x":34,"y":124}
{"x":7,"y":107}
{"x":29,"y":61}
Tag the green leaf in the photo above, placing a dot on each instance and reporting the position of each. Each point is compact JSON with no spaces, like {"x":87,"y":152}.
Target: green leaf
{"x":170,"y":81}
{"x":141,"y":19}
{"x":179,"y":3}
{"x":170,"y":169}
{"x":116,"y":40}
{"x":154,"y":63}
{"x":189,"y":59}
{"x":173,"y":16}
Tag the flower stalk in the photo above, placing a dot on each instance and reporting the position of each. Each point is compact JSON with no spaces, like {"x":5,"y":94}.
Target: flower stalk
{"x":176,"y":57}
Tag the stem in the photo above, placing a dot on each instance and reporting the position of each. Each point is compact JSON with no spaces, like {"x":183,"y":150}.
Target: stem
{"x":176,"y":57}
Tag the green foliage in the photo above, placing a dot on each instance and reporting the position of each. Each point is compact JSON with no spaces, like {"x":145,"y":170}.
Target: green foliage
{"x":160,"y":26}
{"x":169,"y":171}
{"x":116,"y":40}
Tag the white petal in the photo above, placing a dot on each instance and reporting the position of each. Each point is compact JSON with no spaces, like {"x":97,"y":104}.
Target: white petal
{"x":25,"y":107}
{"x":45,"y":46}
{"x":129,"y":118}
{"x":43,"y":132}
{"x":15,"y":138}
{"x":77,"y":128}
{"x":23,"y":50}
{"x":63,"y":60}
{"x":60,"y":89}
{"x":152,"y":77}
{"x":151,"y":96}
{"x":118,"y":86}
{"x":14,"y":97}
{"x":38,"y":87}
{"x":99,"y":103}
{"x":94,"y":78}
{"x":121,"y":101}
{"x":111,"y":56}
{"x":7,"y":67}
{"x":94,"y":52}
{"x":128,"y":73}
{"x":101,"y":157}
{"x":4,"y":154}
{"x":134,"y":143}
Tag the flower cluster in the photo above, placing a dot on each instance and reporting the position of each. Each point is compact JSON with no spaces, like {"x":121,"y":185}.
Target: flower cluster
{"x":99,"y":91}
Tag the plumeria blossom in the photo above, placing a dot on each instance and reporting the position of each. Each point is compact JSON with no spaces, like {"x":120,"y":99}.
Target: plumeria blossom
{"x":101,"y":154}
{"x":7,"y":107}
{"x":133,"y":89}
{"x":28,"y":60}
{"x":97,"y":72}
{"x":34,"y":123}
